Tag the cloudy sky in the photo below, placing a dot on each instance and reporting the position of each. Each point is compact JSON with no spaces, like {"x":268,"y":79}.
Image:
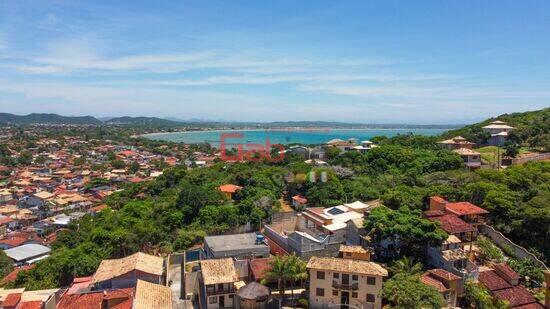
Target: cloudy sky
{"x":354,"y":61}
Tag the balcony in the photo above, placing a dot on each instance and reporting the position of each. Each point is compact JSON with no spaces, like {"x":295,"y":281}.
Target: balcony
{"x":212,"y":292}
{"x":341,"y":286}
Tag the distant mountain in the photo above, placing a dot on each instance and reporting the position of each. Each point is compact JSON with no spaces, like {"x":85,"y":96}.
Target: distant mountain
{"x":532,"y":128}
{"x":142,"y":121}
{"x":37,"y":118}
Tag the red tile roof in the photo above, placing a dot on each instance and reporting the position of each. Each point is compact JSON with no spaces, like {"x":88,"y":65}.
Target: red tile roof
{"x":11,"y":300}
{"x":299,"y":199}
{"x":13,"y":274}
{"x":427,"y":279}
{"x":5,"y":220}
{"x":433,"y":213}
{"x":229,"y":188}
{"x":506,"y":272}
{"x":259,"y":267}
{"x":442,"y":273}
{"x":530,"y":306}
{"x":14,"y":241}
{"x":493,"y":281}
{"x":438,"y":199}
{"x":37,"y":304}
{"x":453,"y":224}
{"x":516,"y":296}
{"x":99,"y":208}
{"x":79,"y":284}
{"x":465,"y":208}
{"x":82,"y":301}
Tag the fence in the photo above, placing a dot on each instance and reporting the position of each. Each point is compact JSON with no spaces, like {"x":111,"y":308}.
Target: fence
{"x":502,"y":241}
{"x":539,"y":157}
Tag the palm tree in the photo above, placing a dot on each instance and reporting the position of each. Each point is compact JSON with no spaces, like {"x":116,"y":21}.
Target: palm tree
{"x":287,"y":268}
{"x":298,"y":270}
{"x":280,"y":272}
{"x":406,"y":265}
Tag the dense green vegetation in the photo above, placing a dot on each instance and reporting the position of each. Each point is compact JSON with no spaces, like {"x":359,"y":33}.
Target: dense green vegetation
{"x":532,"y":129}
{"x":175,"y":211}
{"x":6,"y":264}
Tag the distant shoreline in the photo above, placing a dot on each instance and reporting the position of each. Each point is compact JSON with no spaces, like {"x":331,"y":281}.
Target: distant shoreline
{"x":299,"y":129}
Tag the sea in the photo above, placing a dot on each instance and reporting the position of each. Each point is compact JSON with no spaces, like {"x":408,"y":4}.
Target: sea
{"x":282,"y":136}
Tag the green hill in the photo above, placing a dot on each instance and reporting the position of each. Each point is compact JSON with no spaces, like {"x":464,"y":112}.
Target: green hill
{"x":143,"y":121}
{"x":532,"y":129}
{"x":38,"y":118}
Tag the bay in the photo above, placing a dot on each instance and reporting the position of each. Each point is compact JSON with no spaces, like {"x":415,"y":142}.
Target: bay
{"x":282,"y":136}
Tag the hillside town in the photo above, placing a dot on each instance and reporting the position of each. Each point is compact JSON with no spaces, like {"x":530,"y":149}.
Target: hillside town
{"x":302,"y":255}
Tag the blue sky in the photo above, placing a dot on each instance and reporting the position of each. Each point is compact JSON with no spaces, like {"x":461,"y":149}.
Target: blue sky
{"x":354,"y":61}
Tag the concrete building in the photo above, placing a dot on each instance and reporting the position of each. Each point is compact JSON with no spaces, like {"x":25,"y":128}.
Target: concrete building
{"x":248,"y":245}
{"x":336,"y":281}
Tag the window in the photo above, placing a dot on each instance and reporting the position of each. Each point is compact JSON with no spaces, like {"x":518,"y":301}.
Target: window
{"x":354,"y":278}
{"x":370,"y":298}
{"x":213,"y":300}
{"x":348,"y":254}
{"x":371,"y":280}
{"x":320,"y":292}
{"x":353,"y":294}
{"x":231,"y":296}
{"x":321,"y":275}
{"x":335,"y":292}
{"x":210,"y":288}
{"x":336,"y":275}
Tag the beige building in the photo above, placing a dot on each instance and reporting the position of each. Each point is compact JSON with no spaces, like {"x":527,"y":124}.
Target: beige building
{"x":336,"y":281}
{"x":217,"y":281}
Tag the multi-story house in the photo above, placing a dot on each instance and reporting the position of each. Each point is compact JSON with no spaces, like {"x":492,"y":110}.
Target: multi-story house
{"x":456,"y":142}
{"x":471,"y":158}
{"x":217,"y":283}
{"x":315,"y":231}
{"x":460,"y":220}
{"x":340,"y":281}
{"x":499,"y":131}
{"x":449,"y":285}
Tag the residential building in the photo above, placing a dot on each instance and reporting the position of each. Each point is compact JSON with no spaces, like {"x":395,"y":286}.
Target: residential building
{"x":299,"y":202}
{"x":466,"y":211}
{"x":28,"y":253}
{"x":125,"y":272}
{"x":499,"y":131}
{"x":354,"y":253}
{"x":150,"y":295}
{"x":315,"y":231}
{"x":364,"y":146}
{"x":248,"y":245}
{"x":449,"y":285}
{"x":341,"y":144}
{"x":22,"y":299}
{"x":217,"y":283}
{"x":335,"y":281}
{"x":471,"y":158}
{"x":229,"y":189}
{"x":456,"y":142}
{"x":503,"y":283}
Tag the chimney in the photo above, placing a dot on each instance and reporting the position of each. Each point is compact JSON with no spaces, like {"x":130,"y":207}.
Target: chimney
{"x":437,"y":203}
{"x":547,"y":280}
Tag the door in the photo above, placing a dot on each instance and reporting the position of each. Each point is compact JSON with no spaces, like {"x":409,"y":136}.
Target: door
{"x":222,"y":301}
{"x":344,"y":300}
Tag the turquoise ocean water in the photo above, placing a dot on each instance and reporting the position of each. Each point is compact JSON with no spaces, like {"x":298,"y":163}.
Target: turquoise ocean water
{"x":284,"y":136}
